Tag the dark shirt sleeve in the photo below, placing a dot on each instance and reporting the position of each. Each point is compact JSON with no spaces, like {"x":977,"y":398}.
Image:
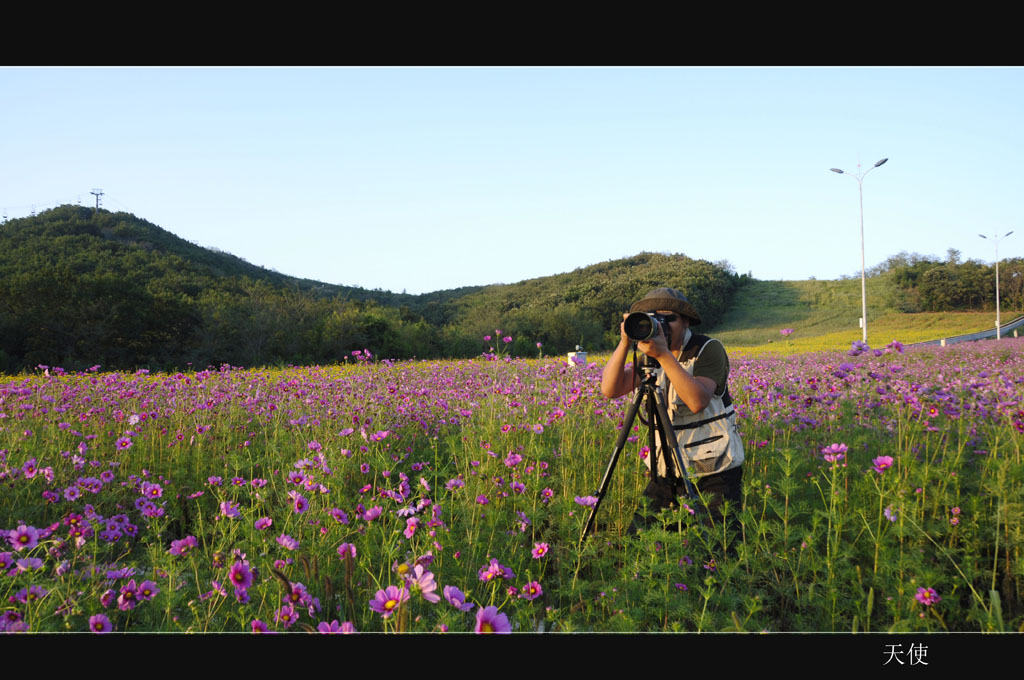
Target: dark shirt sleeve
{"x":713,"y":363}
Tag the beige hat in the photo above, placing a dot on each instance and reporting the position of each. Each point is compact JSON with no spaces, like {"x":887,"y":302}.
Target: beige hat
{"x":667,"y":298}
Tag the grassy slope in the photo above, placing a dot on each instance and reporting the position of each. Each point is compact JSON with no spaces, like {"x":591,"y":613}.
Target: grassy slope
{"x":824,"y":315}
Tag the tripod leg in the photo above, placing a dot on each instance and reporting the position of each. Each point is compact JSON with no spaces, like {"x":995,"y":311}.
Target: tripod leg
{"x":668,"y":435}
{"x":627,"y":426}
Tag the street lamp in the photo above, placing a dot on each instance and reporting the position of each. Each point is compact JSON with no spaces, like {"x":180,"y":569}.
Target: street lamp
{"x":863,"y":276}
{"x":997,"y":238}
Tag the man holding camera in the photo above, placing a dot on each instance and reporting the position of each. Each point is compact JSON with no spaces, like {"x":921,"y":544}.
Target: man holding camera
{"x":692,"y":375}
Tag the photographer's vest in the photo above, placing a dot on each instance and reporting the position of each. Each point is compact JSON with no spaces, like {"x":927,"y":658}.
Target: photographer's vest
{"x":708,"y":440}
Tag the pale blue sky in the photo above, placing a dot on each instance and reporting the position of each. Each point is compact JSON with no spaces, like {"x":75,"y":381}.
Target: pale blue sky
{"x":424,"y":179}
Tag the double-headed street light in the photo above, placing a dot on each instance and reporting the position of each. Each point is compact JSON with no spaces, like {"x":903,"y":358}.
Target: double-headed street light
{"x":997,"y":238}
{"x":863,"y":276}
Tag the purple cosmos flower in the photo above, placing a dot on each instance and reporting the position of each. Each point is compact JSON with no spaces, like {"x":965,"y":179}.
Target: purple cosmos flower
{"x":147,"y":590}
{"x":457,"y":599}
{"x":263,"y":523}
{"x":286,"y":615}
{"x":531,"y":591}
{"x":422,"y":581}
{"x":835,"y":452}
{"x":99,"y":623}
{"x":882,"y":463}
{"x":489,"y":620}
{"x":587,"y":501}
{"x":299,"y":503}
{"x":287,"y":542}
{"x":230,"y":509}
{"x":240,"y":576}
{"x":128,"y":597}
{"x":495,"y":570}
{"x":346,"y":551}
{"x":182,"y":546}
{"x":786,"y":332}
{"x":23,"y":537}
{"x":373,"y":513}
{"x":482,"y":500}
{"x":890,"y":514}
{"x":927,"y":596}
{"x":388,"y":600}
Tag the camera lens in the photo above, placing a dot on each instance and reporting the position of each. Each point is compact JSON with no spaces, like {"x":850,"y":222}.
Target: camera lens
{"x":640,"y":326}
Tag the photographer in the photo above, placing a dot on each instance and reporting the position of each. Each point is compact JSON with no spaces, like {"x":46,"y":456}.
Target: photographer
{"x":692,"y":374}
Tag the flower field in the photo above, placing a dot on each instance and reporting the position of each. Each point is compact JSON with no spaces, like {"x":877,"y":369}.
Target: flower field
{"x":882,"y":492}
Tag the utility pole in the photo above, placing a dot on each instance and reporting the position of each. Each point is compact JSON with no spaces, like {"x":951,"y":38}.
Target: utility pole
{"x":97,"y":193}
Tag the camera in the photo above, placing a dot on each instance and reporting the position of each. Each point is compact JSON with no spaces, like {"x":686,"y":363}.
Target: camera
{"x":641,"y":326}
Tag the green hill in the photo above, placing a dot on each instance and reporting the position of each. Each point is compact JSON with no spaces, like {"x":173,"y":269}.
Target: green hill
{"x":80,"y":287}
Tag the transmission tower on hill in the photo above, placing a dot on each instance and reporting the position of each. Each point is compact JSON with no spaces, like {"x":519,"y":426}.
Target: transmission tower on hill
{"x":97,"y":193}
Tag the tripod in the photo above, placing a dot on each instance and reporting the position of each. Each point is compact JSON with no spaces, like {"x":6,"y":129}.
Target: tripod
{"x":657,"y":420}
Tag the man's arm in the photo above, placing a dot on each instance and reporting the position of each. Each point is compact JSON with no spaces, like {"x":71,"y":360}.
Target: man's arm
{"x":696,"y":392}
{"x":617,"y":379}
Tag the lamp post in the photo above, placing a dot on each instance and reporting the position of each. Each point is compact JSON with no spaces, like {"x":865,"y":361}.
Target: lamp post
{"x":997,"y":238}
{"x":863,"y":276}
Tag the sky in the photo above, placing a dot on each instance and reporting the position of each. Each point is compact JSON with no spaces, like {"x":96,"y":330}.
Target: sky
{"x":425,"y":179}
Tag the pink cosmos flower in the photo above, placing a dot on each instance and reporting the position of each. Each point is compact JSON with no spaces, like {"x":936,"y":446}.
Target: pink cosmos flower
{"x":23,"y":537}
{"x":882,"y":463}
{"x":539,"y":550}
{"x":240,"y":576}
{"x":99,"y":623}
{"x":927,"y":596}
{"x":457,"y":599}
{"x":287,"y":542}
{"x":531,"y":591}
{"x":835,"y":452}
{"x":230,"y":509}
{"x":422,"y":581}
{"x":263,"y":523}
{"x":346,"y":551}
{"x":489,"y":620}
{"x":388,"y":600}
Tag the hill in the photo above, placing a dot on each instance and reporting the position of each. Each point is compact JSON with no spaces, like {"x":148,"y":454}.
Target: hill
{"x":80,"y":287}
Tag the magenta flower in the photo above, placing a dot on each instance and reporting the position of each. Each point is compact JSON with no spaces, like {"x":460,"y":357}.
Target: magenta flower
{"x":263,"y":523}
{"x":240,"y":576}
{"x":539,"y":550}
{"x":147,"y":590}
{"x":388,"y":600}
{"x":299,"y":503}
{"x":786,"y":332}
{"x":346,"y":551}
{"x":927,"y":596}
{"x":457,"y":599}
{"x":587,"y":501}
{"x":373,"y":513}
{"x":531,"y":591}
{"x":23,"y":537}
{"x":410,"y":526}
{"x":422,"y":581}
{"x":835,"y":452}
{"x":882,"y":463}
{"x":495,"y":570}
{"x":99,"y":623}
{"x":287,"y":542}
{"x":230,"y":509}
{"x":489,"y":620}
{"x":507,"y":339}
